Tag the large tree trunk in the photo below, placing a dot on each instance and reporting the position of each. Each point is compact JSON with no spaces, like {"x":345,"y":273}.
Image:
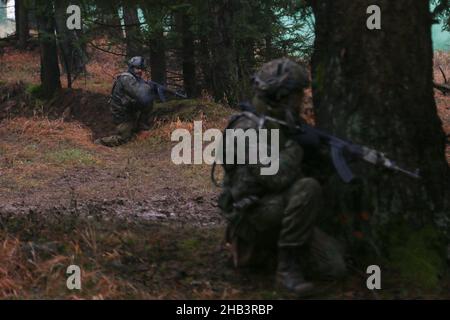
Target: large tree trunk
{"x":375,"y":88}
{"x":133,"y":31}
{"x":204,"y":54}
{"x":158,"y":64}
{"x":22,"y":24}
{"x":245,"y":56}
{"x":224,"y":68}
{"x":49,"y":57}
{"x":184,"y":25}
{"x":247,"y":44}
{"x":73,"y":56}
{"x":157,"y":44}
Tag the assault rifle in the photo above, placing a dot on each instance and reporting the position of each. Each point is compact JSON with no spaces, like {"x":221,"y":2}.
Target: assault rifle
{"x":160,"y":89}
{"x":308,"y":135}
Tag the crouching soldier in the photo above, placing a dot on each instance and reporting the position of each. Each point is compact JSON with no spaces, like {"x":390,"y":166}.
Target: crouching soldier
{"x":131,"y":104}
{"x":278,"y":213}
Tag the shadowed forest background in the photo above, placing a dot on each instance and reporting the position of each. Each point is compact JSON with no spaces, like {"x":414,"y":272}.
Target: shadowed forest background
{"x":140,"y":226}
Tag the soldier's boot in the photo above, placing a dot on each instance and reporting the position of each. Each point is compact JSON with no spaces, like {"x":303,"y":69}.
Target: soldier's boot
{"x":112,"y":141}
{"x":289,"y":273}
{"x":124,"y":134}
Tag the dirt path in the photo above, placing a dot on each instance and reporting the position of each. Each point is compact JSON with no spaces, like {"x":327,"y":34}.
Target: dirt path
{"x":138,"y":179}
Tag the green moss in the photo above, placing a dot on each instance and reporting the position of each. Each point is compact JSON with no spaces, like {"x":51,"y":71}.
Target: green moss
{"x":34,"y":90}
{"x":417,"y":256}
{"x":71,"y":156}
{"x":190,"y":245}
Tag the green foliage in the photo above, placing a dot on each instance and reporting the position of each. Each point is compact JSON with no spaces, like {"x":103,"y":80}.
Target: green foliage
{"x":441,"y":12}
{"x":417,"y":255}
{"x":229,"y":39}
{"x":190,"y":246}
{"x":34,"y":90}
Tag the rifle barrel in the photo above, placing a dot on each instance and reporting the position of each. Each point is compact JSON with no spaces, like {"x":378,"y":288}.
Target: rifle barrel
{"x":176,"y":93}
{"x":367,"y":154}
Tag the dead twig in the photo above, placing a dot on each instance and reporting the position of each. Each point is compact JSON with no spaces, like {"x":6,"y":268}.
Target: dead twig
{"x":443,"y":75}
{"x":444,"y":88}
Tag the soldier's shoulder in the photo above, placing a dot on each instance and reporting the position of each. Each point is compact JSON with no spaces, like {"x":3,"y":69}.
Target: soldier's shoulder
{"x":126,"y":77}
{"x":243,"y":121}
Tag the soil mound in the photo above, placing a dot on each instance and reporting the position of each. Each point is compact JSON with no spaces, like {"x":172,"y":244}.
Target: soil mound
{"x":90,"y":109}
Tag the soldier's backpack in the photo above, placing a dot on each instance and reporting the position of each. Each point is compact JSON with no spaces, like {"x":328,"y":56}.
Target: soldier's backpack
{"x":246,"y":251}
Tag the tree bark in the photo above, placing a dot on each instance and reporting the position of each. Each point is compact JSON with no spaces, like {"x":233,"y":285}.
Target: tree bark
{"x":375,"y":87}
{"x":204,"y":52}
{"x":184,"y":25}
{"x":224,"y":68}
{"x":50,"y":74}
{"x":133,"y":31}
{"x":17,"y":12}
{"x":72,"y":54}
{"x":158,"y":64}
{"x":157,"y":44}
{"x":22,"y":24}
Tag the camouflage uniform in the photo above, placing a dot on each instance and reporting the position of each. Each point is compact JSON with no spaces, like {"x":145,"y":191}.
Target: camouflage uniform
{"x":278,"y":212}
{"x":131,"y":105}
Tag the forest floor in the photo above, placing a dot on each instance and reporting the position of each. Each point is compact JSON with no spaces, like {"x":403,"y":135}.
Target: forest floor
{"x":138,"y":225}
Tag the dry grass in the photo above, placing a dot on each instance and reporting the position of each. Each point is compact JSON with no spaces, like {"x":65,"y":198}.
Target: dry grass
{"x":25,"y":66}
{"x":52,"y":132}
{"x":123,"y":259}
{"x":442,"y":60}
{"x":35,"y":151}
{"x":118,"y":259}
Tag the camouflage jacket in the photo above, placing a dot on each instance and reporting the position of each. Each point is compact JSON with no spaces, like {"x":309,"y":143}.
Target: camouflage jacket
{"x":129,"y":95}
{"x":244,"y":182}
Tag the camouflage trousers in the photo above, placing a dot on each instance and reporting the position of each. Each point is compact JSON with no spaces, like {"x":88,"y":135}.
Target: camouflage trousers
{"x":288,"y":219}
{"x":126,"y":130}
{"x":124,"y":133}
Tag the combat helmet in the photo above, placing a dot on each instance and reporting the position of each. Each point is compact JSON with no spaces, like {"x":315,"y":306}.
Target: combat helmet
{"x":137,"y":63}
{"x":279,"y":78}
{"x":279,"y":87}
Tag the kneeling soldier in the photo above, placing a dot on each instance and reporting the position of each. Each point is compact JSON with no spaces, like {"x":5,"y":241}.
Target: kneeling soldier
{"x":131,"y":104}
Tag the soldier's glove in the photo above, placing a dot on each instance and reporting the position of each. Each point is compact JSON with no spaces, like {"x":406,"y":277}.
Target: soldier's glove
{"x":246,"y":203}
